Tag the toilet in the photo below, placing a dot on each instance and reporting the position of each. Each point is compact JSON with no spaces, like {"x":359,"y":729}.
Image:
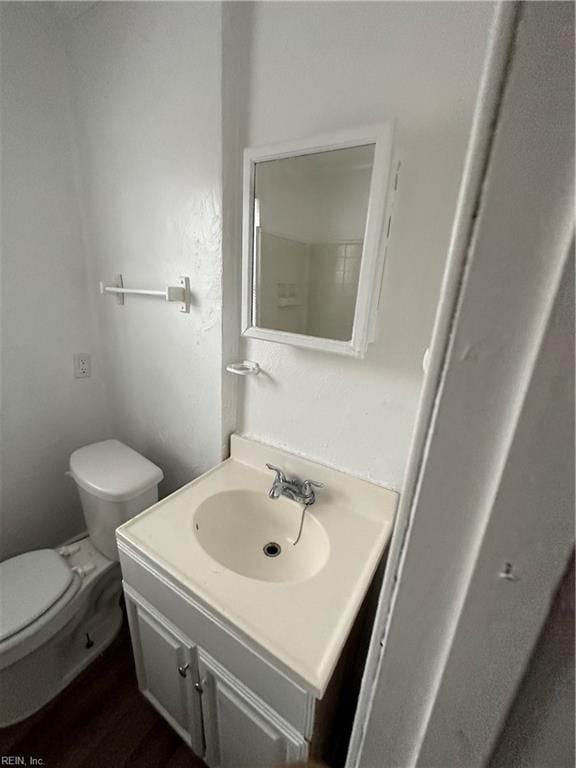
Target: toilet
{"x":59,"y":608}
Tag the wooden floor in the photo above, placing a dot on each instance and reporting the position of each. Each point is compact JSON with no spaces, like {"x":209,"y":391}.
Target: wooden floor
{"x":99,"y":721}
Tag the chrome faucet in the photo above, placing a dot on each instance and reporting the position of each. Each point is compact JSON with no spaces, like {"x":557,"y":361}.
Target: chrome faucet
{"x":301,"y":491}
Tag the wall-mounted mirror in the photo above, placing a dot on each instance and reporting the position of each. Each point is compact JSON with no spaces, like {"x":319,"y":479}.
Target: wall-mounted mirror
{"x":314,"y":220}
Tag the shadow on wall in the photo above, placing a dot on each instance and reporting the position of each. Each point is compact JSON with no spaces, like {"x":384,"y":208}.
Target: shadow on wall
{"x":539,"y":731}
{"x":236,"y":88}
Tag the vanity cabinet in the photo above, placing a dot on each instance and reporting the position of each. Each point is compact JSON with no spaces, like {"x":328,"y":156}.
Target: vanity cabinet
{"x":220,"y":718}
{"x":165,"y":665}
{"x":271,"y":651}
{"x":240,"y":730}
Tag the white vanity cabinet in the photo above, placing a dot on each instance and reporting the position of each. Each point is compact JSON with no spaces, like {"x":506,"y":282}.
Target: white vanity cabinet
{"x":240,"y":730}
{"x":256,"y":660}
{"x":233,"y":708}
{"x":166,"y":668}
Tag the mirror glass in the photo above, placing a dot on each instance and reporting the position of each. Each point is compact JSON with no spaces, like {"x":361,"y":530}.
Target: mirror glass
{"x":309,"y":214}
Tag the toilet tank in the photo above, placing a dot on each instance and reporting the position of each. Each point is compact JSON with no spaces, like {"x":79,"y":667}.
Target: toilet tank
{"x":115,"y":483}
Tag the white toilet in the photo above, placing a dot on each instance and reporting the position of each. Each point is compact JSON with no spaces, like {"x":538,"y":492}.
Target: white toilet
{"x":60,"y":608}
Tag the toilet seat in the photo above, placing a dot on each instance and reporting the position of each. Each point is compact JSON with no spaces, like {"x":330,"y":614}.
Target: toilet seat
{"x":30,"y":584}
{"x":47,"y":652}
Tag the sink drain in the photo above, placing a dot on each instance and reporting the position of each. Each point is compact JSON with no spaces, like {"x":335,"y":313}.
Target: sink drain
{"x":272,"y":549}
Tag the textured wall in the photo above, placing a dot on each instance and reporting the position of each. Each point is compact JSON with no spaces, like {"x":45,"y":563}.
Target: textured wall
{"x":45,"y":312}
{"x":164,"y":98}
{"x":332,"y":66}
{"x":147,"y":87}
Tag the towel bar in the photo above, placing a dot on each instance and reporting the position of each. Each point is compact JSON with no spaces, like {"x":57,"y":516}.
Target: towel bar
{"x":180,"y":293}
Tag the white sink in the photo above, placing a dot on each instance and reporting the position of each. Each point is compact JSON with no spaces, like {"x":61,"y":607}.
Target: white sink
{"x":295,"y":609}
{"x":255,"y":536}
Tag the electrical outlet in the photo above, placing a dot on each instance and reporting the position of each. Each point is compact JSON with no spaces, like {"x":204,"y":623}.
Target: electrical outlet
{"x":81,"y":365}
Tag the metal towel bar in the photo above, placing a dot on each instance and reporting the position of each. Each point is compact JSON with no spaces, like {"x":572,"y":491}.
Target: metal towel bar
{"x":179,"y":293}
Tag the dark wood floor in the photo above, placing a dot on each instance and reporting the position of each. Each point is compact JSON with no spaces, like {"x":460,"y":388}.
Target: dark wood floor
{"x":100,"y":720}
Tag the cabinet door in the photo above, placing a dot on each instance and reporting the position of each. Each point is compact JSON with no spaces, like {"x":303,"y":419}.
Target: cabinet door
{"x":166,"y":667}
{"x":240,"y":730}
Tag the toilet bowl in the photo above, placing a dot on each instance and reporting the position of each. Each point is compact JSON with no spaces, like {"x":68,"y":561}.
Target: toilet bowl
{"x":59,"y":608}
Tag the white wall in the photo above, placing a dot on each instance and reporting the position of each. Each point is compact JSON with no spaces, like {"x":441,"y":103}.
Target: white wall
{"x":321,"y":67}
{"x":45,"y":314}
{"x":147,"y":85}
{"x":492,"y":477}
{"x":157,"y":155}
{"x":539,"y":729}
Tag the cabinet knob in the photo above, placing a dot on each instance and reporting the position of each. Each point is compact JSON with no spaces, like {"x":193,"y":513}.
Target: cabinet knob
{"x":183,"y":670}
{"x":198,"y":687}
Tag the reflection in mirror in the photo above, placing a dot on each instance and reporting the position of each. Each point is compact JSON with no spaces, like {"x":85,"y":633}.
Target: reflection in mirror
{"x":309,"y":222}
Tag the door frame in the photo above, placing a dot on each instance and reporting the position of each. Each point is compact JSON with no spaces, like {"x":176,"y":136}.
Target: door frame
{"x":446,"y":568}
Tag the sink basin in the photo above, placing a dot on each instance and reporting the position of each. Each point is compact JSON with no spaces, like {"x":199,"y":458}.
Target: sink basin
{"x":253,"y":535}
{"x":296,"y":608}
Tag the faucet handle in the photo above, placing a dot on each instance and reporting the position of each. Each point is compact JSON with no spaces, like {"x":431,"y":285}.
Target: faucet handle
{"x":308,"y":495}
{"x":310,"y":483}
{"x":280,"y":476}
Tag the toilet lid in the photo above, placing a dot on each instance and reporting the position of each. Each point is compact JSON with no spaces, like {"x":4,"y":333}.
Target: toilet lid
{"x":112,"y":471}
{"x":29,"y":585}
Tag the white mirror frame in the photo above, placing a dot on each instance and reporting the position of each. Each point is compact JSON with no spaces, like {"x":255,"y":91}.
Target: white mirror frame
{"x":373,"y":251}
